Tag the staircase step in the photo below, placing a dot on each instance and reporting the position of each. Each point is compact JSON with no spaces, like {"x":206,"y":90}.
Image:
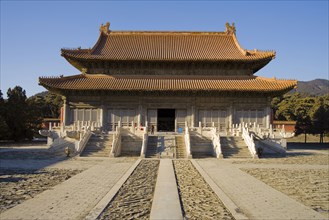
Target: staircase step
{"x":181,"y":147}
{"x":152,"y":146}
{"x":234,"y":147}
{"x":98,"y":146}
{"x":201,"y":147}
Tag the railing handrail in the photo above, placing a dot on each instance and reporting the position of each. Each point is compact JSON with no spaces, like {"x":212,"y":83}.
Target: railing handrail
{"x":187,"y":140}
{"x":249,"y":140}
{"x":84,"y":138}
{"x":144,"y":143}
{"x":216,"y":143}
{"x":116,"y":143}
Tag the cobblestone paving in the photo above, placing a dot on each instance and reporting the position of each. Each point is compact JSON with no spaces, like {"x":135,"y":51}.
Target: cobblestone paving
{"x":28,"y":154}
{"x":75,"y":197}
{"x":310,"y":187}
{"x":292,"y":158}
{"x":197,"y":198}
{"x":134,"y":199}
{"x":18,"y":185}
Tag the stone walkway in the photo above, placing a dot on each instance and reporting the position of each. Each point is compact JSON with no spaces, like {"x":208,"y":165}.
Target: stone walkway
{"x":74,"y":198}
{"x":90,"y":191}
{"x":166,"y":203}
{"x":255,"y":199}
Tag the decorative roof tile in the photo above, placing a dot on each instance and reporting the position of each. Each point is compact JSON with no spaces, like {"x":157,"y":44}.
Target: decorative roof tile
{"x":103,"y":82}
{"x":167,"y":46}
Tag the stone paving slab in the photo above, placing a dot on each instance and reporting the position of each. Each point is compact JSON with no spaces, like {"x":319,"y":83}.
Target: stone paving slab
{"x":74,"y":198}
{"x":99,"y":208}
{"x":166,"y":203}
{"x":281,"y":166}
{"x":228,"y":203}
{"x":253,"y":197}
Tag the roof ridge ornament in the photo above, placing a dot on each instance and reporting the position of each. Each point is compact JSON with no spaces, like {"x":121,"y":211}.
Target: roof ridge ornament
{"x":230,"y":29}
{"x":84,"y":71}
{"x":105,"y":28}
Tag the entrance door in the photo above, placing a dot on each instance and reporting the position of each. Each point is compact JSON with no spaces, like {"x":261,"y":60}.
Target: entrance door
{"x":166,"y":119}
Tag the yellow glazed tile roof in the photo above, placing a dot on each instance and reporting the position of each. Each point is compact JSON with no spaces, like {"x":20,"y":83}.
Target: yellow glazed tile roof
{"x":167,"y":46}
{"x":160,"y":46}
{"x":166,"y":83}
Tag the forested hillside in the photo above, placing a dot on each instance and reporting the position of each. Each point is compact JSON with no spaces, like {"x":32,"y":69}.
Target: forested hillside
{"x":317,"y":87}
{"x":310,"y":113}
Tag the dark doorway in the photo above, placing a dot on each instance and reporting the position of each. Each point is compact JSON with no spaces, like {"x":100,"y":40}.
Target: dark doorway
{"x":166,"y":119}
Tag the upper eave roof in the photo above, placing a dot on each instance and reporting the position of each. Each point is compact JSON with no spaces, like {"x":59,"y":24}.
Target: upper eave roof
{"x":102,"y":82}
{"x":167,"y":46}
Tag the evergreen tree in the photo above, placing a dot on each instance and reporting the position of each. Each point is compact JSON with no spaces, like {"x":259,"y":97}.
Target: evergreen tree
{"x":302,"y":112}
{"x":320,"y":118}
{"x":16,"y":114}
{"x":285,"y":109}
{"x":4,"y":129}
{"x":49,"y":104}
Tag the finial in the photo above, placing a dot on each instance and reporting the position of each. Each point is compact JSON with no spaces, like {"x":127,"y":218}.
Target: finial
{"x":84,"y":71}
{"x":230,"y":29}
{"x":105,"y":28}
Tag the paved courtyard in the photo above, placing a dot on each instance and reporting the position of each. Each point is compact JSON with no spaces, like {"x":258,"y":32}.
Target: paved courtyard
{"x":294,"y":187}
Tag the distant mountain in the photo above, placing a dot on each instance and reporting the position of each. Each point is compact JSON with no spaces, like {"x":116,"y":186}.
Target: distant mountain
{"x":317,"y":87}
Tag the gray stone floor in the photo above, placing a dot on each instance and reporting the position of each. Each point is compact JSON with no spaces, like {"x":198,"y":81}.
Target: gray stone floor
{"x":76,"y":197}
{"x":243,"y":195}
{"x":255,"y":199}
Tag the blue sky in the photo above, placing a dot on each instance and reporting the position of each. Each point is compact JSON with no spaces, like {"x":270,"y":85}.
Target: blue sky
{"x":33,"y":32}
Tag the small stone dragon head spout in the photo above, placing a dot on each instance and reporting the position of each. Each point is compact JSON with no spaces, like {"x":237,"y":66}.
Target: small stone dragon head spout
{"x":230,"y":29}
{"x":105,"y":28}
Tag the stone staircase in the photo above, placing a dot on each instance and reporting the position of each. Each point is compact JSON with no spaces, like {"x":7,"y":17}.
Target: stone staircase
{"x":131,"y":145}
{"x":180,"y":147}
{"x":98,"y":146}
{"x":152,"y":145}
{"x":201,"y":147}
{"x":234,"y":147}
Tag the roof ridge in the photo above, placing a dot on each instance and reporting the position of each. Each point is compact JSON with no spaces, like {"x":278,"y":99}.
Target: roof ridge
{"x":274,"y":79}
{"x":170,"y":32}
{"x":205,"y":77}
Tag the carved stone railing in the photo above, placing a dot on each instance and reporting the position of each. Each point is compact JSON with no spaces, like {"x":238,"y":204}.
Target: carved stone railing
{"x":84,"y":125}
{"x":249,"y":140}
{"x":144,"y":143}
{"x":84,"y":138}
{"x":216,"y":144}
{"x":187,"y":141}
{"x":278,"y":145}
{"x":51,"y":135}
{"x":116,"y":144}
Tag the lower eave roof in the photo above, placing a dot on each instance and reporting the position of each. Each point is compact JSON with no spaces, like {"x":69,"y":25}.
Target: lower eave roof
{"x":102,"y":82}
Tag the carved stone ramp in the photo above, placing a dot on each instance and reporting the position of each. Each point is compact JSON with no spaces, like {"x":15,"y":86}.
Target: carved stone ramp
{"x":255,"y":199}
{"x":76,"y":197}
